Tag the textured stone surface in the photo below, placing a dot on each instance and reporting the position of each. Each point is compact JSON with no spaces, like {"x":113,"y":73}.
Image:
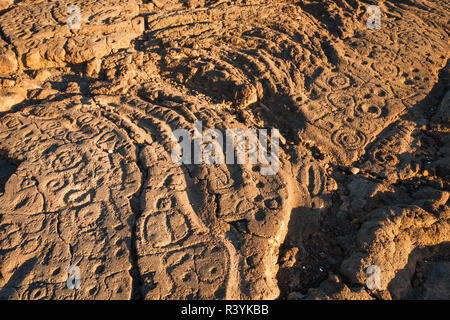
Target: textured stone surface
{"x":87,"y":118}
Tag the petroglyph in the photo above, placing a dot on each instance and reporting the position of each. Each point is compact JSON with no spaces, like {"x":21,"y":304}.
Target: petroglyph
{"x":97,"y":99}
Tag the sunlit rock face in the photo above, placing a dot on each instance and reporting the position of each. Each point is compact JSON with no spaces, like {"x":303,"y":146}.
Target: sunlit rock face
{"x":342,"y":192}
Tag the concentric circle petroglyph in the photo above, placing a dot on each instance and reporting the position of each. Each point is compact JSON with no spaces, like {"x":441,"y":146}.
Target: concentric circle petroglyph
{"x":349,"y":139}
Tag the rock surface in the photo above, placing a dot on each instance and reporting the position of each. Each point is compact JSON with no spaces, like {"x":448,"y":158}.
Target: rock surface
{"x":92,"y":93}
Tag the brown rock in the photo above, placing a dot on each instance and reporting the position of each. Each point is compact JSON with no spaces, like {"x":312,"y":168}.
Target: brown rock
{"x":8,"y":61}
{"x":5,"y":4}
